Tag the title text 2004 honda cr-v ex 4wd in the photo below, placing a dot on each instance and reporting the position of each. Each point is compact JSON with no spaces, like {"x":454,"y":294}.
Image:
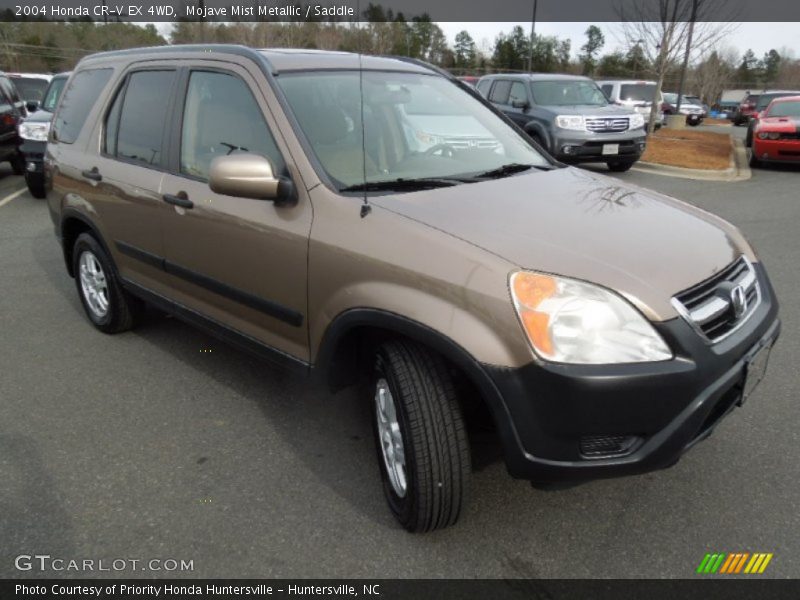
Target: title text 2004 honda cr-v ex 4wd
{"x":281,"y":200}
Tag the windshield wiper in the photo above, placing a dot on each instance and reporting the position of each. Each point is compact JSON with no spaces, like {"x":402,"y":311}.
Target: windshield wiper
{"x":505,"y":171}
{"x":420,"y":183}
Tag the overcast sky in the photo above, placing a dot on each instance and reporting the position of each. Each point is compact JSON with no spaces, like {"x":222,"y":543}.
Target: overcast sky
{"x":761,"y":37}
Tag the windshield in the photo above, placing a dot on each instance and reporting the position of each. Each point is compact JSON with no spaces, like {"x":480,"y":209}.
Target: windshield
{"x":637,"y":92}
{"x":53,"y":93}
{"x":410,"y":126}
{"x":567,"y":93}
{"x":670,"y":97}
{"x":765,"y":99}
{"x":788,"y":108}
{"x":30,"y":88}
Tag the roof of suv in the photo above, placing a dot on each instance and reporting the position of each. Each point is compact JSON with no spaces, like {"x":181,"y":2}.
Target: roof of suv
{"x":278,"y":59}
{"x":538,"y":76}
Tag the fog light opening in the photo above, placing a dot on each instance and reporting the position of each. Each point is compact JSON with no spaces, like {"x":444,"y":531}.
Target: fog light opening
{"x":31,"y":166}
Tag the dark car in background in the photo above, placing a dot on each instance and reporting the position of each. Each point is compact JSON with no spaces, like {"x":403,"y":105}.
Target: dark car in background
{"x":33,"y":132}
{"x":570,"y":117}
{"x":745,"y":109}
{"x":12,"y":111}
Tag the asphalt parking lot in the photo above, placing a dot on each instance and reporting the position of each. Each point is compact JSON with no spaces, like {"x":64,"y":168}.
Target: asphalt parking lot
{"x":164,"y":443}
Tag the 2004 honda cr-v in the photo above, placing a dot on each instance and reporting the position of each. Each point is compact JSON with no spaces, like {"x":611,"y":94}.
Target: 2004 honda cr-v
{"x":285,"y":201}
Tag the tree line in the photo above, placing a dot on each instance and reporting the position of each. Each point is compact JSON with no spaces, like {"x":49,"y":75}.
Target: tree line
{"x":43,"y":46}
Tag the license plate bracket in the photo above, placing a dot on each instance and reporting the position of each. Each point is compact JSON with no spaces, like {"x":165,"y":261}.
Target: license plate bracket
{"x":754,"y":371}
{"x":610,"y":149}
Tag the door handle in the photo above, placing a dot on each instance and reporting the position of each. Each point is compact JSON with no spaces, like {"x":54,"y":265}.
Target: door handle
{"x":179,"y":199}
{"x":94,"y":174}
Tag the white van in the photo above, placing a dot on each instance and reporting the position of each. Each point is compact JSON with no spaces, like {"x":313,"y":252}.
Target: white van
{"x":635,"y":94}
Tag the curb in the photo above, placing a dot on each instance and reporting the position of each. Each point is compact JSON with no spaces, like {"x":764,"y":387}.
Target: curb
{"x":737,"y":171}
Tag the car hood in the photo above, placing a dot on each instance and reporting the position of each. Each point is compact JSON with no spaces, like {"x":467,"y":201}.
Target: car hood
{"x":40,"y":116}
{"x":784,"y":124}
{"x":644,"y":245}
{"x":587,"y":110}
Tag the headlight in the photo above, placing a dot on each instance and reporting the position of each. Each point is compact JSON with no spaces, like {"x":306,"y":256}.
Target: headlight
{"x":36,"y":132}
{"x":762,"y":135}
{"x":574,"y":122}
{"x":774,"y":135}
{"x":572,"y":321}
{"x":636,"y":121}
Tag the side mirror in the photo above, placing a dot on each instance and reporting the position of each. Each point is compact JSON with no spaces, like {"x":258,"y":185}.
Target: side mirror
{"x":249,"y":176}
{"x":32,"y":106}
{"x":523,"y":104}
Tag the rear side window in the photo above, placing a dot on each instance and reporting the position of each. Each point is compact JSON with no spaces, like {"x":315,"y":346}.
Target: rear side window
{"x":607,"y":90}
{"x":483,"y":87}
{"x":500,"y":92}
{"x":9,"y":89}
{"x":77,"y":102}
{"x":136,"y":122}
{"x":221,"y":117}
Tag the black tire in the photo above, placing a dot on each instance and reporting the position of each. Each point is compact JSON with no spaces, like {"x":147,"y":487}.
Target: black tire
{"x":17,"y":164}
{"x":433,"y":435}
{"x":538,"y":139}
{"x":123,"y":310}
{"x":619,"y":166}
{"x":752,"y":159}
{"x":35,"y":183}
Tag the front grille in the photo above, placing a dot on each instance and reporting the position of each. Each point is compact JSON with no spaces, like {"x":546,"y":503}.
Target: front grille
{"x":719,"y":305}
{"x":467,"y":142}
{"x":601,"y":446}
{"x":606,"y":124}
{"x":790,"y":136}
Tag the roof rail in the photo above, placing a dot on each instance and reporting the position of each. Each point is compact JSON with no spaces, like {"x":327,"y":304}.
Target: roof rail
{"x":236,"y":49}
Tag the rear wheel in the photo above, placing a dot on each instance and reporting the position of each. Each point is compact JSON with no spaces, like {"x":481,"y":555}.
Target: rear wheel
{"x":619,"y":166}
{"x":420,"y":436}
{"x":109,"y":307}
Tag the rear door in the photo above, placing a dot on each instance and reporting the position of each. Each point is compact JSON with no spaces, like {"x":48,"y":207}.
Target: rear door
{"x":240,"y":261}
{"x":131,"y":163}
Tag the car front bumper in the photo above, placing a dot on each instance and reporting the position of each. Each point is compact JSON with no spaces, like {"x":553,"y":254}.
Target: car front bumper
{"x":776,"y":150}
{"x":587,"y":147}
{"x":33,"y":153}
{"x":560,"y":415}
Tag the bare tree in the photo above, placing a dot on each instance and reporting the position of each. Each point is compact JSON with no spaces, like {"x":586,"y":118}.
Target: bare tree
{"x":662,"y":29}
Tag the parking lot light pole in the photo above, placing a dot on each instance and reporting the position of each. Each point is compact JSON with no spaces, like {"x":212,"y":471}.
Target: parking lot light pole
{"x":685,"y":65}
{"x":533,"y":33}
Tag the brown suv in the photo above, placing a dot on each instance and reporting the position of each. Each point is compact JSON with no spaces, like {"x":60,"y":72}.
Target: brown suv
{"x":296,"y":203}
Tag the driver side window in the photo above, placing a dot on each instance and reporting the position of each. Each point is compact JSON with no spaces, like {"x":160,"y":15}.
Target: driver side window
{"x":221,"y":117}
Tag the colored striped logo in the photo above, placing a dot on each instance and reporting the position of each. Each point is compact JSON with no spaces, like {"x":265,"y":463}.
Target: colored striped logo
{"x":734,"y":563}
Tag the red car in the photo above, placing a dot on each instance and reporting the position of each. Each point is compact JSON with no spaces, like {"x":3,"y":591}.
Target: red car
{"x":776,"y":136}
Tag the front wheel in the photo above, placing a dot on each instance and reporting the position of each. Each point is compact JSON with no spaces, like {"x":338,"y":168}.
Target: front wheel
{"x":619,"y":166}
{"x":753,"y":159}
{"x":35,"y":183}
{"x":420,"y":436}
